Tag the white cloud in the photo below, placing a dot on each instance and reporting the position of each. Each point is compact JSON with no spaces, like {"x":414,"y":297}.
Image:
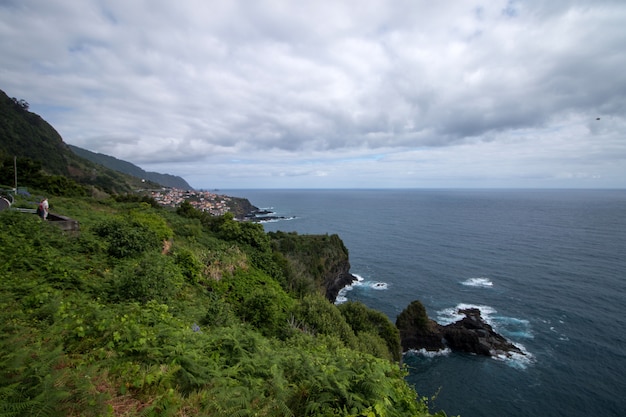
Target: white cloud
{"x":465,"y":93}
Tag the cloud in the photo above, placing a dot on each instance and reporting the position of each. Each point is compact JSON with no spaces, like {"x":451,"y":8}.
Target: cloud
{"x":188,"y":86}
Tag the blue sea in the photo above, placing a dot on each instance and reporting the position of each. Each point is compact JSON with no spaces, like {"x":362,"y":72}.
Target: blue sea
{"x":547,"y":268}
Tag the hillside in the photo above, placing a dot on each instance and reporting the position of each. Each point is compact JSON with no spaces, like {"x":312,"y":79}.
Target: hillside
{"x":26,"y":134}
{"x":166,"y":180}
{"x":154,"y":312}
{"x":45,"y":162}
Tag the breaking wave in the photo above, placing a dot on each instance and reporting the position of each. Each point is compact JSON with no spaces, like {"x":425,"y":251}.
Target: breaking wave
{"x":480,"y":282}
{"x":342,"y":297}
{"x":428,"y":353}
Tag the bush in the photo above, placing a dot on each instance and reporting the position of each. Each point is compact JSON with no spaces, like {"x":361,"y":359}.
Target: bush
{"x":189,"y":265}
{"x":219,"y":312}
{"x":258,"y":299}
{"x":125,"y":239}
{"x":365,"y":320}
{"x":150,"y":221}
{"x":153,"y":277}
{"x":316,"y":315}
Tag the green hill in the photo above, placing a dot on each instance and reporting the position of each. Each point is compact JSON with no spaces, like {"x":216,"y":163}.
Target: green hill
{"x":47,"y":163}
{"x":154,"y":312}
{"x":166,"y":180}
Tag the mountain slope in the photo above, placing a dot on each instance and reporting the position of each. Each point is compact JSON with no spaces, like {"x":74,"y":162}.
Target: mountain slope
{"x":125,"y":167}
{"x":37,"y":146}
{"x":26,"y":134}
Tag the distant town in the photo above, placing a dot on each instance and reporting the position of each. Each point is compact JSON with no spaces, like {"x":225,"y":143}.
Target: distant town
{"x":207,"y":201}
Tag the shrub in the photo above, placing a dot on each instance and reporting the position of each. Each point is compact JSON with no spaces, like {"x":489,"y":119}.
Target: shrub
{"x":125,"y":239}
{"x":189,"y":265}
{"x":317,"y":315}
{"x":219,"y":312}
{"x":363,"y":319}
{"x":150,"y":221}
{"x":153,"y":277}
{"x":258,"y":300}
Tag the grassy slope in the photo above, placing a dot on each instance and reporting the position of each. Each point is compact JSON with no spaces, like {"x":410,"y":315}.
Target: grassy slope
{"x":147,"y":312}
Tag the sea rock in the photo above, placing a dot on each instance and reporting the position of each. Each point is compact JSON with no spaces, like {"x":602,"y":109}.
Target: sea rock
{"x":471,"y":334}
{"x":417,"y":331}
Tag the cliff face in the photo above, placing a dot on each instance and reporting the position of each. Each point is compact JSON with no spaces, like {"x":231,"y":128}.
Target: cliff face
{"x":317,"y":261}
{"x":241,"y":207}
{"x":337,"y":277}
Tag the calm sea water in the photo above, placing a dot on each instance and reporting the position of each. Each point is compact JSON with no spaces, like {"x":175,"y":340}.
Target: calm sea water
{"x":546,"y":267}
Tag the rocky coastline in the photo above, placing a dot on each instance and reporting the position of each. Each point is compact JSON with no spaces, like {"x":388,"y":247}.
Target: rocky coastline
{"x":470,"y":335}
{"x":257,"y":215}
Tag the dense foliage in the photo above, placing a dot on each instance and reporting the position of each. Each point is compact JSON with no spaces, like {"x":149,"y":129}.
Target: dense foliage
{"x":151,"y":312}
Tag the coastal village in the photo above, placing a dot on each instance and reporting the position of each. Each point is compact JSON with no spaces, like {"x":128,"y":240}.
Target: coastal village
{"x":207,"y":201}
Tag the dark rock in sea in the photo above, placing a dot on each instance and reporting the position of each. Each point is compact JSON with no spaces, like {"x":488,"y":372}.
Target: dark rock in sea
{"x":417,"y":331}
{"x":471,"y":334}
{"x":257,"y":215}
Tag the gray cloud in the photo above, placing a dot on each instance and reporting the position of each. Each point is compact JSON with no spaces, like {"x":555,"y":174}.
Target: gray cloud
{"x":187,"y":87}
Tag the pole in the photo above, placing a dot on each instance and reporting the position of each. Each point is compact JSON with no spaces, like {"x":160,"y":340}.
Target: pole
{"x":15,"y":171}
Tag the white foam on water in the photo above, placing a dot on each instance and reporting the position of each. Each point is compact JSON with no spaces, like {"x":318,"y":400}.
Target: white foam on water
{"x":359,"y":279}
{"x":513,"y":327}
{"x":452,"y":315}
{"x":516,"y":360}
{"x":282,"y":219}
{"x":428,"y":353}
{"x":360,"y":282}
{"x":480,"y":282}
{"x":342,"y":296}
{"x":562,"y":337}
{"x":340,"y":299}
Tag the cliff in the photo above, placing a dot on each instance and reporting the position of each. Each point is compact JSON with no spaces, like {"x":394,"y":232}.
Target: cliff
{"x":317,"y":262}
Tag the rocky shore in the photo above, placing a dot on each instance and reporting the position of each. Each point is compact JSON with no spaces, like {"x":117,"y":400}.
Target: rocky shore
{"x":261,"y":215}
{"x":471,"y":334}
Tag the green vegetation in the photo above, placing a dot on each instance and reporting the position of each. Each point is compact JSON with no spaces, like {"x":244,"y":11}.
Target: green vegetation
{"x":310,"y":261}
{"x":45,"y":162}
{"x":151,"y":312}
{"x":166,"y":180}
{"x":413,"y":318}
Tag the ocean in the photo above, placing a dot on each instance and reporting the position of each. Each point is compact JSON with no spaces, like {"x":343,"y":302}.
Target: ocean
{"x":547,"y":268}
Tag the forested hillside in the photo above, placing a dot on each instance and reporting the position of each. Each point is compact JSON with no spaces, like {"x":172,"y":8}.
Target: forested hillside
{"x":45,"y":162}
{"x":125,"y":167}
{"x":155,"y":312}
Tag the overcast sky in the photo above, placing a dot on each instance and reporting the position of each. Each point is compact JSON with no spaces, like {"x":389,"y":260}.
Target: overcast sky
{"x":331,"y":94}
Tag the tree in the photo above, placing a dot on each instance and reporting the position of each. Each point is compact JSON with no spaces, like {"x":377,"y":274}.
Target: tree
{"x":23,"y":104}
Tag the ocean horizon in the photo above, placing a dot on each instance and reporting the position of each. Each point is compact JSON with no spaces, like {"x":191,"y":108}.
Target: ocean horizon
{"x":546,"y":267}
